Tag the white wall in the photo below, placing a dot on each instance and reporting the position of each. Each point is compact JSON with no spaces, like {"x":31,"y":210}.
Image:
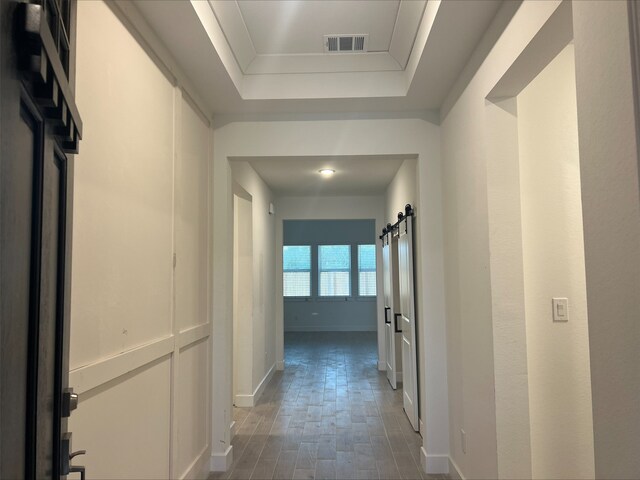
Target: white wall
{"x":310,"y":137}
{"x":242,"y":298}
{"x":262,"y":289}
{"x":553,"y":260}
{"x":485,"y":374}
{"x":488,"y":375}
{"x":403,"y":190}
{"x":140,"y":347}
{"x":611,"y":215}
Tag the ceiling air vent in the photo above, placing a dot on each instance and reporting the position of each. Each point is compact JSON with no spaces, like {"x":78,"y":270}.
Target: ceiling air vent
{"x":346,"y":43}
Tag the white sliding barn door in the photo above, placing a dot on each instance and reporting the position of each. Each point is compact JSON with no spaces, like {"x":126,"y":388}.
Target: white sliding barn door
{"x":389,"y":330}
{"x":408,"y":319}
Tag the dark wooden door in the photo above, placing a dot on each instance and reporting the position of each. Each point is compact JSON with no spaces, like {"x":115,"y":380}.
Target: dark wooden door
{"x":40,"y":129}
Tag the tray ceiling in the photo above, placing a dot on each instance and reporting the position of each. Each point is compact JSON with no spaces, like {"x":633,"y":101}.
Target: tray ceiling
{"x":218,"y":46}
{"x":288,"y":36}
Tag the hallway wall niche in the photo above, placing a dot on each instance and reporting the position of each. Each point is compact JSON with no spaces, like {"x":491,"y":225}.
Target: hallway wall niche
{"x":543,"y":383}
{"x":554,"y":266}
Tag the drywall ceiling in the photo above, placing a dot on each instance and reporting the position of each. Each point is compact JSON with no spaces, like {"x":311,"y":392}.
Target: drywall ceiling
{"x":231,"y":79}
{"x":299,"y":176}
{"x":294,"y":26}
{"x":290,"y":36}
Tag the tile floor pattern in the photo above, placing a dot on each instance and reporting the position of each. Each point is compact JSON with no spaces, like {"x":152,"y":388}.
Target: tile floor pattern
{"x":329,"y":415}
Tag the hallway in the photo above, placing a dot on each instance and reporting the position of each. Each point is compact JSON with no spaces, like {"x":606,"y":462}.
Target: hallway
{"x":330,"y":414}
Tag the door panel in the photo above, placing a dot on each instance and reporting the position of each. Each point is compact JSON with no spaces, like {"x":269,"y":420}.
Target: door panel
{"x":18,"y":271}
{"x":39,"y":124}
{"x":389,"y":330}
{"x":51,"y":321}
{"x":407,"y":312}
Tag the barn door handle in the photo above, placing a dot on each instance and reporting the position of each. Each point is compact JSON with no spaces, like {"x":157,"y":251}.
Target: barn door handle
{"x":396,"y":316}
{"x":386,"y":316}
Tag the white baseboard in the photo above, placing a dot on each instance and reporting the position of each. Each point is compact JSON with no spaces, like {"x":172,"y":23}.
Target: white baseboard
{"x":421,"y":428}
{"x":232,"y":429}
{"x":252,"y":399}
{"x":243,"y":401}
{"x":454,"y":471}
{"x":220,"y":462}
{"x":434,"y":464}
{"x":382,"y":366}
{"x":280,"y":365}
{"x":199,"y":468}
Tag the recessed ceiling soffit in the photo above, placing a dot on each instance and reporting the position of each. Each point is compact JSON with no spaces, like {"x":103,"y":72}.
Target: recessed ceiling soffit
{"x":280,"y":49}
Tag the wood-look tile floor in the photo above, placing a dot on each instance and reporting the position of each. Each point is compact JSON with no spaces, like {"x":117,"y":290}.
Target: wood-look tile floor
{"x":329,"y":415}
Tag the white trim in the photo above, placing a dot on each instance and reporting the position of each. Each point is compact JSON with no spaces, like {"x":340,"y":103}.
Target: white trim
{"x":454,"y":471}
{"x":423,"y":459}
{"x":232,"y":428}
{"x":220,"y":462}
{"x":250,"y":400}
{"x":421,"y":427}
{"x":280,"y":365}
{"x":382,"y":367}
{"x":137,"y":25}
{"x":199,"y":468}
{"x":193,"y":334}
{"x":98,"y":373}
{"x":436,"y":464}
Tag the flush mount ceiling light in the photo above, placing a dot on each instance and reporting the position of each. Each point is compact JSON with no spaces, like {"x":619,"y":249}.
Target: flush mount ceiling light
{"x":326,"y":172}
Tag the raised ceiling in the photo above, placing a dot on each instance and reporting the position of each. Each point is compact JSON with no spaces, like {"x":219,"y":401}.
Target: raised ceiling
{"x":297,"y":27}
{"x":298,"y":176}
{"x":288,"y":36}
{"x":264,"y":56}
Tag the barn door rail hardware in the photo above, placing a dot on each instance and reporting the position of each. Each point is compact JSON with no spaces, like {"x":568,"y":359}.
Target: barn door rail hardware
{"x":408,"y":212}
{"x":45,"y":76}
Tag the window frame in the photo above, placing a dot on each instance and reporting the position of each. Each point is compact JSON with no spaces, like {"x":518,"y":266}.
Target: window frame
{"x":309,"y":272}
{"x":375,"y":269}
{"x":319,"y":272}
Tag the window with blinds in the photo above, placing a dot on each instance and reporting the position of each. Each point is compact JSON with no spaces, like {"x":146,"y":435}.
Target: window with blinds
{"x":334,"y":270}
{"x":296,"y":270}
{"x":367,"y":270}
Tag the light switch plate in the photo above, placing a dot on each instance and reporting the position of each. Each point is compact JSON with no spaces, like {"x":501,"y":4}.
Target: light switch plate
{"x":560,"y":310}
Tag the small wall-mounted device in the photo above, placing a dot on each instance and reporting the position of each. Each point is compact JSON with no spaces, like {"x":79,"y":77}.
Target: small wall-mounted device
{"x":560,"y":309}
{"x":272,"y":210}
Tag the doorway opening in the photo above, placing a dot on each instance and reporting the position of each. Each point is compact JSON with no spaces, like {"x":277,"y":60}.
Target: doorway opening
{"x":242,"y":298}
{"x":330,"y":278}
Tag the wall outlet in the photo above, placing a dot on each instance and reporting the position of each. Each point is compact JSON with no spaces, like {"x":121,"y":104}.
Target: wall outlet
{"x":463,"y":441}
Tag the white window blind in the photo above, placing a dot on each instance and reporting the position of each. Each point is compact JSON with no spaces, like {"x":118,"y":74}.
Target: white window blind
{"x":334,"y":270}
{"x":367,"y":270}
{"x":296,"y":269}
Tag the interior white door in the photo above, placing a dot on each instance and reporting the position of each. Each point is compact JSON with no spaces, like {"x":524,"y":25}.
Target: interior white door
{"x":389,"y":331}
{"x":408,"y":319}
